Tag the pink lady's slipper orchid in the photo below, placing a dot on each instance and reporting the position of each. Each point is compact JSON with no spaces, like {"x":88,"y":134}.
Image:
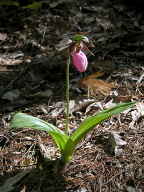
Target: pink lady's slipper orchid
{"x":79,"y":60}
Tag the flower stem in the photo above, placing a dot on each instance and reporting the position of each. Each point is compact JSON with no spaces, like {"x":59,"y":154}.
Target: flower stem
{"x":67,"y":96}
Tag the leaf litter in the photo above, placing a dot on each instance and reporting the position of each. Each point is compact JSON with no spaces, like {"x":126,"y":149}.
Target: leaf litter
{"x":111,"y":157}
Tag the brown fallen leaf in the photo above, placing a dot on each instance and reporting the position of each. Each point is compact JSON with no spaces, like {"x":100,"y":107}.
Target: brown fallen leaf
{"x":95,"y":86}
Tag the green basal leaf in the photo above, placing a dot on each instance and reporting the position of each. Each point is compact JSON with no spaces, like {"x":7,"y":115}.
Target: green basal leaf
{"x":68,"y":151}
{"x":91,"y":122}
{"x":67,"y":144}
{"x":35,"y":5}
{"x":22,"y":120}
{"x":9,"y":3}
{"x":88,"y":125}
{"x":78,"y":38}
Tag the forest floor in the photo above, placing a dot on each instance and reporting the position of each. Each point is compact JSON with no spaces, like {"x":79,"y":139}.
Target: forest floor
{"x":32,"y":80}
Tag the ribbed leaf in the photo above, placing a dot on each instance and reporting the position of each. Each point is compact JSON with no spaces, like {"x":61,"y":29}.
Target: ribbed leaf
{"x":88,"y":125}
{"x":22,"y":120}
{"x":91,"y":122}
{"x":34,"y":5}
{"x":68,"y":151}
{"x":9,"y":3}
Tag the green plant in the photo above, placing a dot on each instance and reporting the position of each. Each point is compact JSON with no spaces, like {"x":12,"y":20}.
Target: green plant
{"x":66,"y":143}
